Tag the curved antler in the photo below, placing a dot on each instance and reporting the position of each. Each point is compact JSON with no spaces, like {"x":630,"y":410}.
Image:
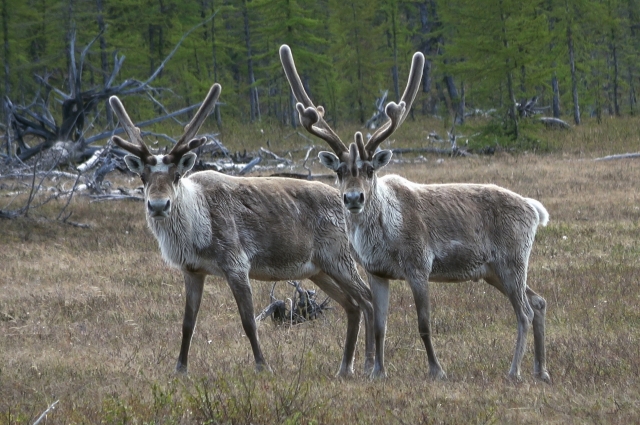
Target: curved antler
{"x":397,"y":112}
{"x":311,"y":117}
{"x":138,"y":148}
{"x":187,"y":141}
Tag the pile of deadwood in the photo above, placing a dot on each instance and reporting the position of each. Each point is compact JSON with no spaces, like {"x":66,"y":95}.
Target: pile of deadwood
{"x":301,"y":307}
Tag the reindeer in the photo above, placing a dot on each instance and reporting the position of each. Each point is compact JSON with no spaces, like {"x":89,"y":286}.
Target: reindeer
{"x":208,"y":223}
{"x":429,"y":232}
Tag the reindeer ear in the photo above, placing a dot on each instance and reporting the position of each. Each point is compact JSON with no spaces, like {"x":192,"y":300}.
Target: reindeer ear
{"x":381,"y":158}
{"x":134,"y":164}
{"x":187,"y":162}
{"x":329,"y":160}
{"x":197,"y":142}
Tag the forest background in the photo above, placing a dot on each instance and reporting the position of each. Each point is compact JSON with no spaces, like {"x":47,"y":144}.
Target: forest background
{"x":576,"y":56}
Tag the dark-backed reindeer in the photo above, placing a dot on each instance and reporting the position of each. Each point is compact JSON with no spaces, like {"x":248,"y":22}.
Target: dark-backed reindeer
{"x":429,"y":232}
{"x":208,"y":223}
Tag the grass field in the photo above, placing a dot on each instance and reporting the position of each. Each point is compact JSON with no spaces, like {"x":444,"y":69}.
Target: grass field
{"x":91,"y":318}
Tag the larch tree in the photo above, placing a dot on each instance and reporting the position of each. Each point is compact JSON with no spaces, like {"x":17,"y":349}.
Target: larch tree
{"x":296,"y":23}
{"x":356,"y":52}
{"x":495,"y":44}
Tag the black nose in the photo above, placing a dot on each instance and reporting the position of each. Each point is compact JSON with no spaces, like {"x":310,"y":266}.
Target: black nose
{"x":158,"y":206}
{"x":353,"y":198}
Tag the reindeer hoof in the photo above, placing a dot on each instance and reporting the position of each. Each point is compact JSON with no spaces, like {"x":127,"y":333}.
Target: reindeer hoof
{"x":263,"y":367}
{"x":369,"y":365}
{"x":515,"y":378}
{"x":543,"y":376}
{"x":345,"y":374}
{"x":437,"y":373}
{"x":181,"y":369}
{"x":378,"y":374}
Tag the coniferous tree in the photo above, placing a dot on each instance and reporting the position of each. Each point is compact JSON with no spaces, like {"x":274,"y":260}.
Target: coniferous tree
{"x":357,"y":55}
{"x":295,"y":23}
{"x":490,"y":43}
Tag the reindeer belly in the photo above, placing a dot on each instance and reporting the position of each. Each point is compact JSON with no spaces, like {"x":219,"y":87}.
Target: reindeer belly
{"x":295,"y":270}
{"x":281,"y":261}
{"x":458,"y":265}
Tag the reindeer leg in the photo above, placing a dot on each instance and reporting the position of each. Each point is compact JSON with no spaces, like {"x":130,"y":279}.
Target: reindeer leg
{"x":352,"y":309}
{"x":380,"y":294}
{"x":193,"y":283}
{"x":420,"y":289}
{"x":241,"y":289}
{"x":513,"y":285}
{"x":539,"y":306}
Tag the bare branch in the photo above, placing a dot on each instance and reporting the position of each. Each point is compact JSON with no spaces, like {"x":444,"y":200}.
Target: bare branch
{"x":619,"y":156}
{"x":44,"y":414}
{"x":119,"y":130}
{"x":311,"y":116}
{"x":170,"y":55}
{"x":398,"y":112}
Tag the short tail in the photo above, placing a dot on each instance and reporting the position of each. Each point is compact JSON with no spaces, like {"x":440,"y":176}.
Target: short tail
{"x":543,"y":215}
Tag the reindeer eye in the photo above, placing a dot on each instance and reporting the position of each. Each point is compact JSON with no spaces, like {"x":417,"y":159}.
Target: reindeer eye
{"x":176,"y":177}
{"x":369,"y":171}
{"x":143,"y":178}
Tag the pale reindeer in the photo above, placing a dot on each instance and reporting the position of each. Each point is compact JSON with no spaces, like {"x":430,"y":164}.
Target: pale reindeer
{"x":429,"y":232}
{"x":208,"y":223}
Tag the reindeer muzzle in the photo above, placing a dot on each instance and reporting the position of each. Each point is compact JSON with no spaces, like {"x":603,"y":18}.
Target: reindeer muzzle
{"x":159,"y":208}
{"x":353,"y":201}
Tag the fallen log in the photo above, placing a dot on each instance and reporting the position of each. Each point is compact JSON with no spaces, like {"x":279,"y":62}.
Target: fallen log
{"x":551,"y":122}
{"x":619,"y":156}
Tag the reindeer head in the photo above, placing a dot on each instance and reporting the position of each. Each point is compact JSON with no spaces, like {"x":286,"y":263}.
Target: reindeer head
{"x":357,"y":165}
{"x":161,"y":174}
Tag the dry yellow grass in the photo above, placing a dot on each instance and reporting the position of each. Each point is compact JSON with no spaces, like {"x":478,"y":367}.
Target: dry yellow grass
{"x":92,"y":318}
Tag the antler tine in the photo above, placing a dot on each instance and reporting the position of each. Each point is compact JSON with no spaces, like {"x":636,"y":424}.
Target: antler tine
{"x":398,"y":112}
{"x":311,"y":116}
{"x":138,"y":146}
{"x":184,"y":145}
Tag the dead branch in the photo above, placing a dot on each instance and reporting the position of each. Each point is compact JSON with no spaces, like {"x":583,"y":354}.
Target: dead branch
{"x":160,"y":67}
{"x":115,"y":197}
{"x":552,"y":122}
{"x":619,"y":156}
{"x":76,"y":105}
{"x":379,"y":114}
{"x":255,"y":161}
{"x":274,"y":156}
{"x":303,"y":306}
{"x":119,"y":130}
{"x":52,"y":173}
{"x":44,"y":414}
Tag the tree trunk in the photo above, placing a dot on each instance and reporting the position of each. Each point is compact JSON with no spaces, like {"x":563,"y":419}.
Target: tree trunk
{"x":513,"y":114}
{"x":427,"y":48}
{"x":294,"y":111}
{"x":253,"y":90}
{"x":556,"y":96}
{"x":574,"y":80}
{"x":360,"y":92}
{"x":632,"y":92}
{"x":616,"y":103}
{"x":394,"y":37}
{"x":5,"y":36}
{"x":456,"y":105}
{"x":512,"y":105}
{"x":7,"y":86}
{"x":71,"y":65}
{"x":214,"y":58}
{"x":103,"y":59}
{"x":152,"y":65}
{"x":463,"y":101}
